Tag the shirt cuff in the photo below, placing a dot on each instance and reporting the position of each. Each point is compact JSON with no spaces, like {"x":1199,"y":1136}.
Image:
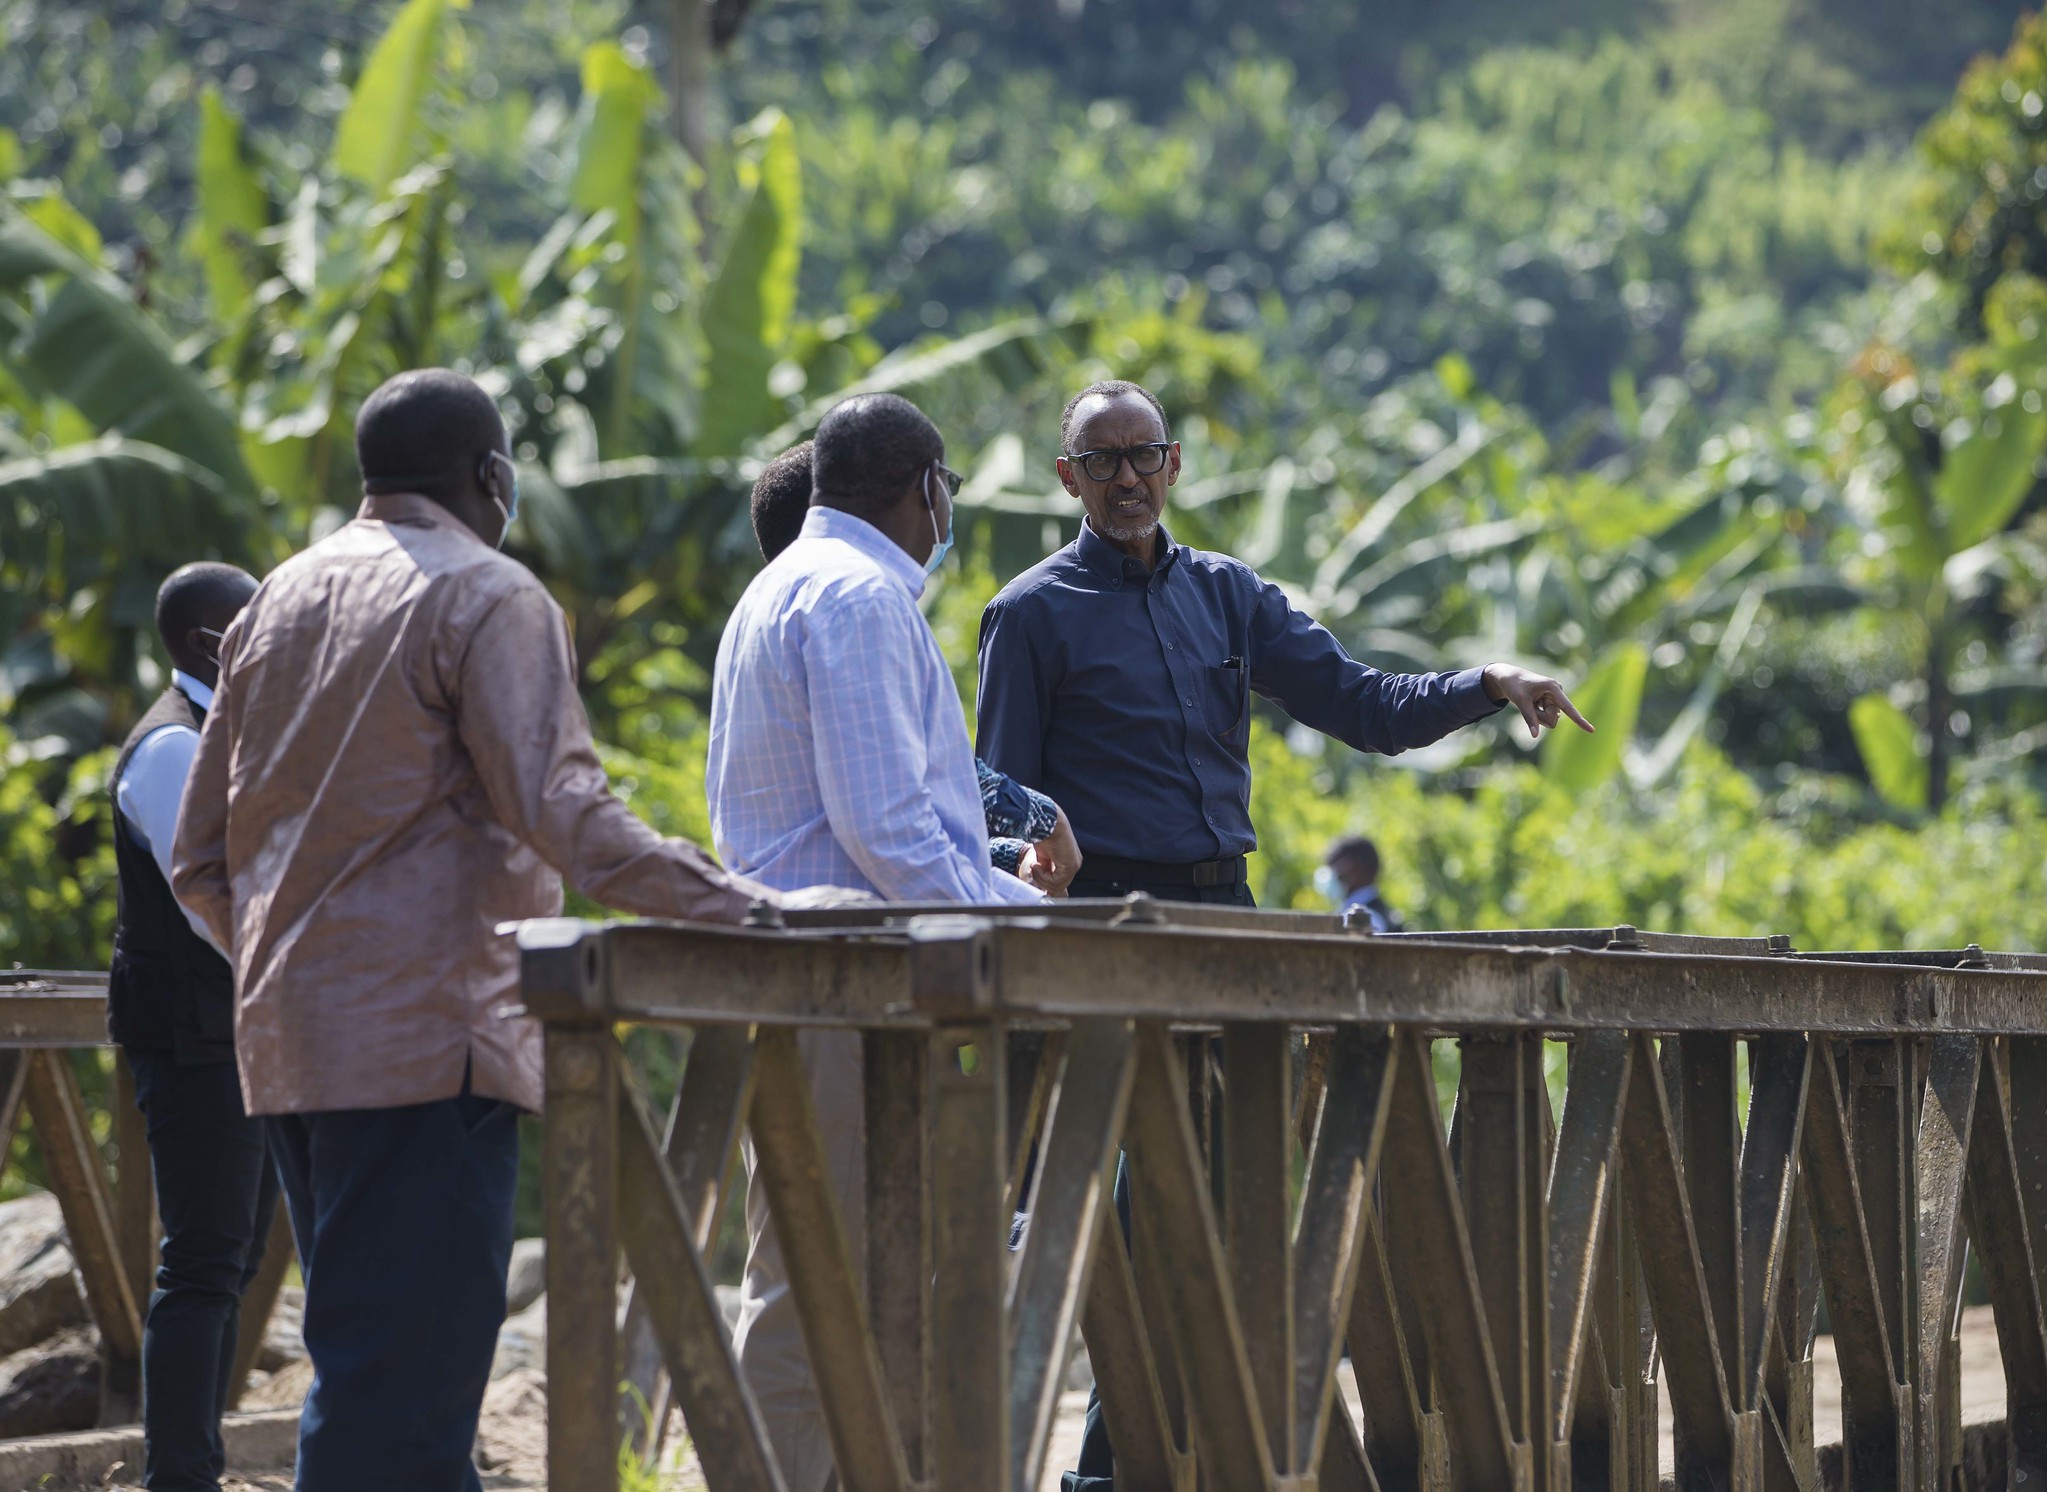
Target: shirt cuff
{"x":1006,"y":854}
{"x":1468,"y":697}
{"x":1043,"y":817}
{"x":1007,"y":888}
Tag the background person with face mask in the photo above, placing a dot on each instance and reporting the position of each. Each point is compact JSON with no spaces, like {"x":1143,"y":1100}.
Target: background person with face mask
{"x":1349,"y":877}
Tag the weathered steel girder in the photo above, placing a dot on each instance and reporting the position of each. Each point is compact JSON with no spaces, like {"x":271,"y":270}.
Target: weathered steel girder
{"x":1663,"y":1151}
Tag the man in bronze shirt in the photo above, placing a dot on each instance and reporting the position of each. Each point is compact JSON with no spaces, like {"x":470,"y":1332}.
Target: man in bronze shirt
{"x":397,"y":760}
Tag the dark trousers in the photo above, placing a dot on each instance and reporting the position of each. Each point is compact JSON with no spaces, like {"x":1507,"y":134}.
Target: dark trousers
{"x":403,"y":1219}
{"x":215,"y":1193}
{"x":1096,"y":1471}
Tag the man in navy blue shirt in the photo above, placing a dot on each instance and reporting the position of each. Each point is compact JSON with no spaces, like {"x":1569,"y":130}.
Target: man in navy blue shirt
{"x":1117,"y":677}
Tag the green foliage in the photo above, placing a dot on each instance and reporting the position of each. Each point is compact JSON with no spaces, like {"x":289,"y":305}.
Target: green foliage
{"x":746,"y":318}
{"x":1553,"y":333}
{"x":379,"y":134}
{"x":1890,"y":749}
{"x":233,"y":207}
{"x":1611,"y":698}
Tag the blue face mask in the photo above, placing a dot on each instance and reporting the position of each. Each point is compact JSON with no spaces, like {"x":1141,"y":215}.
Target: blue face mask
{"x":940,"y":547}
{"x":510,"y":511}
{"x":1327,"y":886}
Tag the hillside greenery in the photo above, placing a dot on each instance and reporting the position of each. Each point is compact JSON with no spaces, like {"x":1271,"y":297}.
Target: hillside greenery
{"x":1692,"y":351}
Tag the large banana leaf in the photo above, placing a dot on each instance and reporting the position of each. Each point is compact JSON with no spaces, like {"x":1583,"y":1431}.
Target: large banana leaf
{"x":233,"y":208}
{"x":97,"y":350}
{"x":611,"y":160}
{"x":1986,"y":474}
{"x":1012,"y":350}
{"x":1889,"y":744}
{"x":1353,"y":548}
{"x":1611,"y":698}
{"x":611,"y":140}
{"x":746,"y":316}
{"x":151,"y":506}
{"x":379,"y":134}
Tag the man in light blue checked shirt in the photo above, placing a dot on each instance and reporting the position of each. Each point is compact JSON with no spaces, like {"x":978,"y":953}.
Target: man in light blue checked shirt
{"x":839,"y":756}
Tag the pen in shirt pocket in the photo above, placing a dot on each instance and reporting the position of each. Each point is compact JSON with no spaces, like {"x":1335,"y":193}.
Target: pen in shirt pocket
{"x":1235,"y":664}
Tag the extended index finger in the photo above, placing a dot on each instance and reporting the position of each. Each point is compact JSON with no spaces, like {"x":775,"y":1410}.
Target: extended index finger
{"x":1572,"y":710}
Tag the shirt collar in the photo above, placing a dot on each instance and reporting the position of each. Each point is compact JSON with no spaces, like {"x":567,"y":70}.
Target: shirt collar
{"x":192,"y":689}
{"x":1113,"y":565}
{"x":835,"y":523}
{"x":412,"y":510}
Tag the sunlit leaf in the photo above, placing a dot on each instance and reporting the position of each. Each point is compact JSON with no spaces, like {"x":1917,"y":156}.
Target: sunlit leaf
{"x":1889,"y":744}
{"x":233,"y":208}
{"x":1985,"y":476}
{"x":617,"y":93}
{"x":93,"y":347}
{"x":378,"y":137}
{"x":746,"y":315}
{"x":1611,"y":698}
{"x":145,"y":503}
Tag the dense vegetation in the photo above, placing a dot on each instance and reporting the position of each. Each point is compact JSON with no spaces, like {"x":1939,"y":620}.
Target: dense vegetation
{"x":1689,"y":350}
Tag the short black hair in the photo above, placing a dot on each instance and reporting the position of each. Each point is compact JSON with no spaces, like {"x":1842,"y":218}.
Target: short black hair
{"x":1108,"y":388}
{"x":869,"y":448}
{"x":781,"y":498}
{"x":206,"y":594}
{"x":426,"y":431}
{"x":1359,"y":849}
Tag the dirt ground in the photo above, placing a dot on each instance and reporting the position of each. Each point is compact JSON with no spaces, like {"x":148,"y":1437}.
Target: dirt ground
{"x":512,"y":1441}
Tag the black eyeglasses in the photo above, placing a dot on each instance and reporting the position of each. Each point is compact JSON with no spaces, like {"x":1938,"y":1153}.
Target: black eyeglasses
{"x":952,"y":479}
{"x":1102,"y":465}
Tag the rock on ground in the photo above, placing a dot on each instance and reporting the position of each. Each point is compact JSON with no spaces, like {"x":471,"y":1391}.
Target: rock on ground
{"x":39,"y":1292}
{"x":51,"y":1387}
{"x":528,"y":1275}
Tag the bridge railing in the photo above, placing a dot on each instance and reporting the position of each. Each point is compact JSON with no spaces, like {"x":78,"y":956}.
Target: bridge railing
{"x":1741,"y":1127}
{"x":110,"y":1223}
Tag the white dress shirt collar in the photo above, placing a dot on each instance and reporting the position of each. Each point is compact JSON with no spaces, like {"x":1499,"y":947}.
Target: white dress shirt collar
{"x":833,"y":523}
{"x":192,"y":689}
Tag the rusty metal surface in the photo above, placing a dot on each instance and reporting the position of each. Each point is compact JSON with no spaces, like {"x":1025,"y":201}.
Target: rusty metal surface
{"x":1509,"y":1299}
{"x":1090,"y":1093}
{"x":896,"y":1109}
{"x":1257,"y":1166}
{"x":579,"y":1187}
{"x":1169,"y":1191}
{"x":78,"y":1176}
{"x":662,"y":1239}
{"x":1329,"y":1245}
{"x":1046,"y":968}
{"x":791,"y":1164}
{"x":969,"y":1258}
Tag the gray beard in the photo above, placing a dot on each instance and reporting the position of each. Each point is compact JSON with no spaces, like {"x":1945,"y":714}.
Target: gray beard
{"x":1133,"y":533}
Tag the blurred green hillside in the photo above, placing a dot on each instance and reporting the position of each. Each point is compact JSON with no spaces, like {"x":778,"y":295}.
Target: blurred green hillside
{"x":1691,"y":350}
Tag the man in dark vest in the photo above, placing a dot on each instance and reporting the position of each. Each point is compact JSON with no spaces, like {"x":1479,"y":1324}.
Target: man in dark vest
{"x":171,"y":1006}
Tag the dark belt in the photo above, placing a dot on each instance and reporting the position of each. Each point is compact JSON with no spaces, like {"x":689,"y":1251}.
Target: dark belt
{"x":1230,"y":872}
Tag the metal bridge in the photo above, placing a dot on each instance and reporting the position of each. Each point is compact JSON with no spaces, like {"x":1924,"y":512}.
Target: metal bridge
{"x":1742,"y":1128}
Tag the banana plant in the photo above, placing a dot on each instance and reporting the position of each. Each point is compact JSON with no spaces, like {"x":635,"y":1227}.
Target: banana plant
{"x":1943,"y":467}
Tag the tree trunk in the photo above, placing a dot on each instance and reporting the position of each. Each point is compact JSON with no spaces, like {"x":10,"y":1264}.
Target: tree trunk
{"x":1940,"y":709}
{"x":690,"y":80}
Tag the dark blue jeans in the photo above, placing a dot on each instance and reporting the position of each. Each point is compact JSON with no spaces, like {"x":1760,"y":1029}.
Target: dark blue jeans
{"x":1096,"y":1469}
{"x":404,"y":1225}
{"x":215,"y":1193}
